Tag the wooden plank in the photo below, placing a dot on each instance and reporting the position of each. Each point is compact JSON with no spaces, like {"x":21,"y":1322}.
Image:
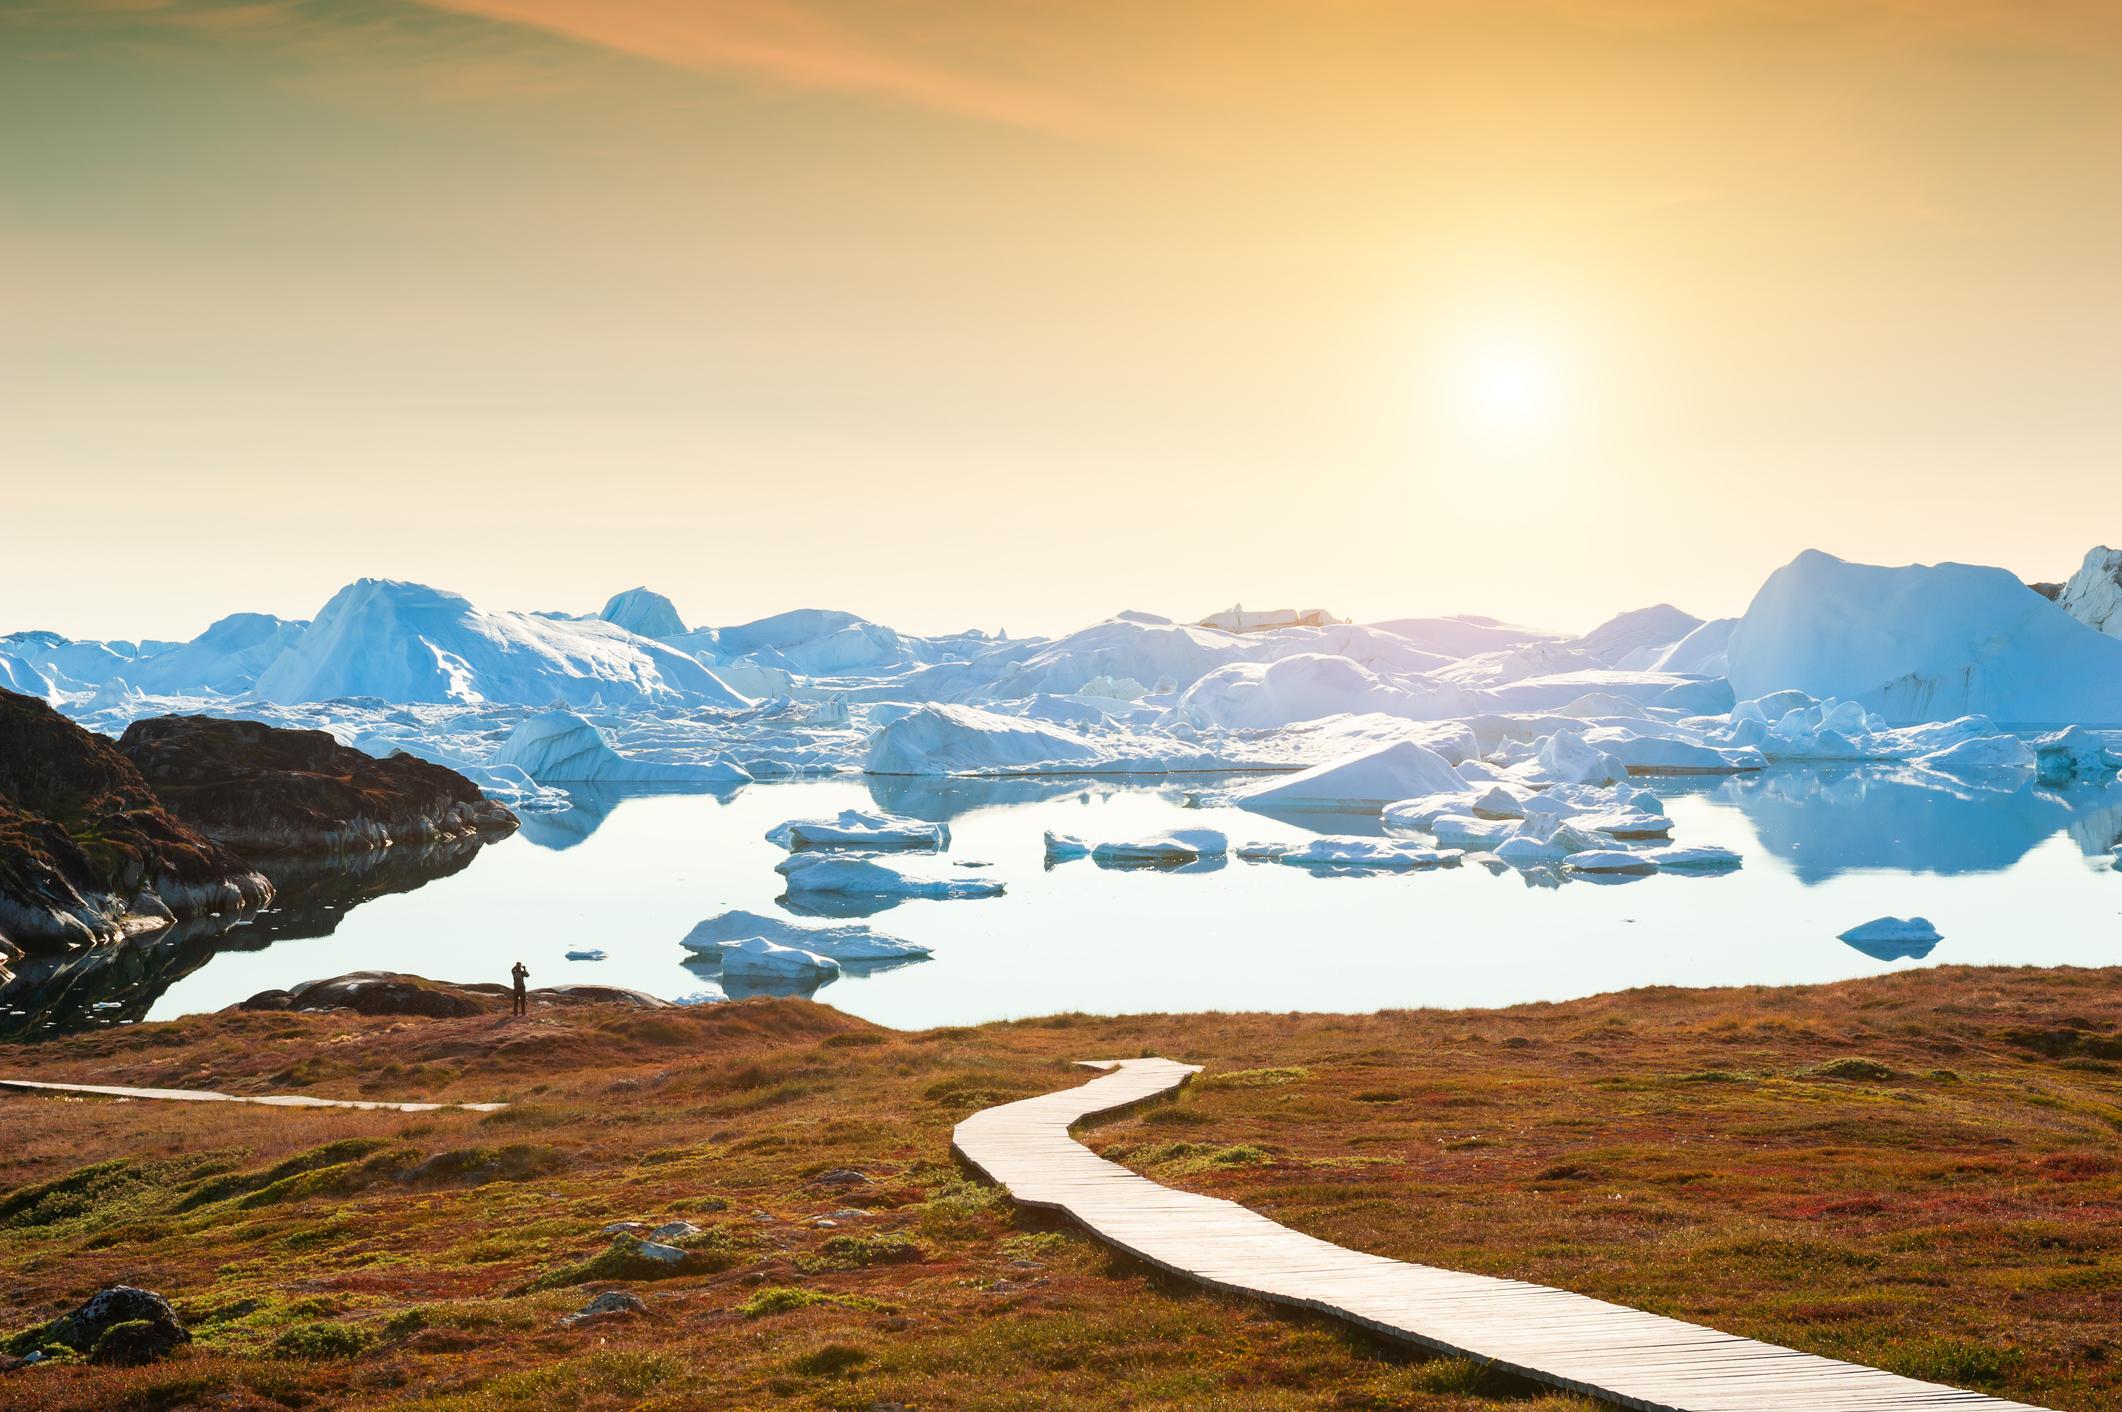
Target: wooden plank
{"x":1567,"y":1340}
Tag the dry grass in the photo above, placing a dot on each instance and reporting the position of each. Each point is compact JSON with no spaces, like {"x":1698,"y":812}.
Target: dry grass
{"x":1920,"y":1171}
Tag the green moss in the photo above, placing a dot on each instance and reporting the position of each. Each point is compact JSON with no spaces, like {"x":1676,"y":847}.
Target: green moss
{"x":320,"y":1341}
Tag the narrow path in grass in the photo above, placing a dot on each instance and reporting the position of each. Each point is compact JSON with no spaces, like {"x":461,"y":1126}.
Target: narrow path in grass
{"x":1566,"y":1340}
{"x":270,"y":1100}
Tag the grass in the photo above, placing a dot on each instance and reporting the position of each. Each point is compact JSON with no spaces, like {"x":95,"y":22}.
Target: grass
{"x":1922,"y":1171}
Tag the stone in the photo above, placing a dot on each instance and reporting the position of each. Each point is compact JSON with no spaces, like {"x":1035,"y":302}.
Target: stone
{"x":842,"y":1176}
{"x":139,"y":1325}
{"x":613,"y":1303}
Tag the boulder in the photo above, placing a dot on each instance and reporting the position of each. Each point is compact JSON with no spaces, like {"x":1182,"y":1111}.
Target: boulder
{"x":118,"y":1324}
{"x":613,"y":1303}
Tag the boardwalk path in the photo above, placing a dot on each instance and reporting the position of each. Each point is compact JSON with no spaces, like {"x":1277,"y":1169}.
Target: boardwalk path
{"x":1585,"y":1345}
{"x":270,"y":1100}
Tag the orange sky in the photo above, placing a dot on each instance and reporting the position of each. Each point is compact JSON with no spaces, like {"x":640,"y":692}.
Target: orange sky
{"x":1013,"y":315}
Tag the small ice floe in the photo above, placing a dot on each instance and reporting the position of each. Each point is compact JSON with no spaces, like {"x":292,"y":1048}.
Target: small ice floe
{"x":2074,"y":755}
{"x":1695,"y":858}
{"x":851,"y":942}
{"x":757,"y":958}
{"x":1060,"y":847}
{"x":1176,"y":848}
{"x":1465,"y":831}
{"x":587,"y":953}
{"x":1630,"y":825}
{"x":1351,"y":851}
{"x":1610,"y":860}
{"x":860,"y":829}
{"x":838,"y":875}
{"x":1893,"y":938}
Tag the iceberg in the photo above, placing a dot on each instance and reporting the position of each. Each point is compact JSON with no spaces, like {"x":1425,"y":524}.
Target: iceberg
{"x":1636,"y":639}
{"x":560,"y":747}
{"x":1353,"y":851}
{"x":1364,"y":783}
{"x":2094,"y":594}
{"x":225,"y":660}
{"x":2074,"y":756}
{"x":406,"y":642}
{"x":1061,"y":847}
{"x":1467,"y":832}
{"x":1893,"y":938}
{"x":1166,"y":850}
{"x":834,"y":874}
{"x":940,"y":739}
{"x":645,"y":613}
{"x":848,"y":942}
{"x":1924,"y":643}
{"x":860,"y":829}
{"x":1610,"y":860}
{"x":756,"y":958}
{"x":1303,"y":687}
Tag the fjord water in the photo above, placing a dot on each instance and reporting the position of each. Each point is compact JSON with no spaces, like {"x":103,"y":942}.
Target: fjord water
{"x":2011,"y":874}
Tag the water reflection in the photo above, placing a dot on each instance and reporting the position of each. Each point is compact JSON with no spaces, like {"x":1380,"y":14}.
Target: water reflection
{"x":1824,"y":823}
{"x":109,"y":985}
{"x":594,"y":805}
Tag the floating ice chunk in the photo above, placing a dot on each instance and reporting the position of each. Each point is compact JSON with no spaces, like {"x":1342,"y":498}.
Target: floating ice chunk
{"x":2074,"y":756}
{"x":838,"y":874}
{"x":962,"y":740}
{"x":561,"y":747}
{"x":1464,"y":831}
{"x":1610,"y":860}
{"x":858,"y":828}
{"x":1173,"y":849}
{"x":758,"y":958}
{"x":1545,"y":843}
{"x":1349,"y":851}
{"x":1566,"y":757}
{"x":1990,"y":752}
{"x":1061,"y":847}
{"x":1269,"y":851}
{"x":1666,"y":755}
{"x":1893,"y":938}
{"x":1901,"y":929}
{"x":588,"y":953}
{"x":1697,"y":858}
{"x":849,"y":942}
{"x":1629,"y":825}
{"x":1498,"y":803}
{"x":1358,"y":784}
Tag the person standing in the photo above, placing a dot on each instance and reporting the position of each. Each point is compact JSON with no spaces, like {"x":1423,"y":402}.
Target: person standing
{"x":521,"y":1004}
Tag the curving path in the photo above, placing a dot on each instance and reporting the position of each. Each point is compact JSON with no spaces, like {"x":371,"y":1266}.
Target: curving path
{"x":1585,"y":1345}
{"x":270,"y":1100}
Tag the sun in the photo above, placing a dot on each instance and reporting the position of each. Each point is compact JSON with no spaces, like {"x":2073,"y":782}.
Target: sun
{"x":1509,"y":386}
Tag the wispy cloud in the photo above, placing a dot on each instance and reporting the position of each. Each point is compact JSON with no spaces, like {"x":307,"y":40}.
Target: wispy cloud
{"x":778,"y":41}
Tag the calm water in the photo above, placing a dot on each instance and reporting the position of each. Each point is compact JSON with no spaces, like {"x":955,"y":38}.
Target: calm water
{"x":2020,"y":877}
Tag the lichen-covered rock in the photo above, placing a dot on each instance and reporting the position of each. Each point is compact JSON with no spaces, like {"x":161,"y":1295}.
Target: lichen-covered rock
{"x":118,"y":1324}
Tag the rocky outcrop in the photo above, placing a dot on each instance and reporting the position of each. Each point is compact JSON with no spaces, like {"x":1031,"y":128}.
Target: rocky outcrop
{"x":265,"y":790}
{"x":2094,"y":594}
{"x":88,"y":853}
{"x":392,"y":993}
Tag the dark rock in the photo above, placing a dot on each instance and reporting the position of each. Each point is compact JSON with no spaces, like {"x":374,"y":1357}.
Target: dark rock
{"x":118,"y":1324}
{"x":88,"y":852}
{"x":391,"y":993}
{"x":374,"y":993}
{"x":842,"y":1176}
{"x":2050,"y":591}
{"x":266,"y":790}
{"x":610,"y":1304}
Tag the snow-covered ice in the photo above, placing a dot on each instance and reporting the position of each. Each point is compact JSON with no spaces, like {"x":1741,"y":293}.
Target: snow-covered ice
{"x":1353,"y":852}
{"x":556,"y":747}
{"x":847,"y":942}
{"x":860,"y":829}
{"x":756,"y":957}
{"x":837,"y":874}
{"x":1364,"y":783}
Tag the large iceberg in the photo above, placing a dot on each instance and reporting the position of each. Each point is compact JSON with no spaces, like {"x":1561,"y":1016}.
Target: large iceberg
{"x":406,"y":642}
{"x":1924,"y":643}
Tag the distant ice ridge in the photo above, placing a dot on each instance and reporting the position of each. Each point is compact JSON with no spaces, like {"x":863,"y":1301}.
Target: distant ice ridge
{"x":406,"y":642}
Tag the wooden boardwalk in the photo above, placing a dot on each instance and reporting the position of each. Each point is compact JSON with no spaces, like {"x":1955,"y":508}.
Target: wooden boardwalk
{"x":270,"y":1100}
{"x":1585,"y":1345}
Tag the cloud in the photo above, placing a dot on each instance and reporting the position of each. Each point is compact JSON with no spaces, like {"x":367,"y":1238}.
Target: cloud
{"x":780,"y":41}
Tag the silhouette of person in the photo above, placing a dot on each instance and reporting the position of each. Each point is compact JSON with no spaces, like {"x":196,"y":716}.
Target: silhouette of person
{"x":521,"y":1004}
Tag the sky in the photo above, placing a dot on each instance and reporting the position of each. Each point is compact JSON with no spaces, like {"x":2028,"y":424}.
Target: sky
{"x":1016,"y":313}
